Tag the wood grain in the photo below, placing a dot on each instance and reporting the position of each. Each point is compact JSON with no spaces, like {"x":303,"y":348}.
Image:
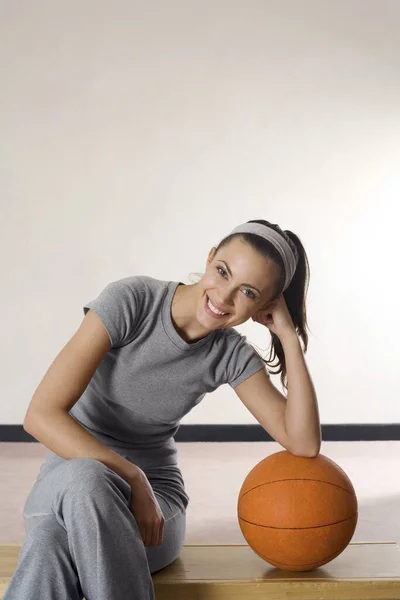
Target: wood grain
{"x":364,"y":571}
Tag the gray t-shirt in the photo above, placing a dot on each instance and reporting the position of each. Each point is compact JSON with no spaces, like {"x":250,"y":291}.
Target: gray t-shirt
{"x":151,"y":377}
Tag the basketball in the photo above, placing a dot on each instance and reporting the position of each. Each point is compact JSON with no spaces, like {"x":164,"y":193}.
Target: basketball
{"x":297,"y":513}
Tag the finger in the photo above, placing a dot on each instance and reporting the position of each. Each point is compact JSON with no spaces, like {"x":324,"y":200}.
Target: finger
{"x":161,"y":534}
{"x":154,"y":535}
{"x":142,"y":534}
{"x":148,"y":532}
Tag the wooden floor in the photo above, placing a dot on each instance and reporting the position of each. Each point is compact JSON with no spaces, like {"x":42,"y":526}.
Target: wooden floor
{"x":222,"y":466}
{"x":364,"y":571}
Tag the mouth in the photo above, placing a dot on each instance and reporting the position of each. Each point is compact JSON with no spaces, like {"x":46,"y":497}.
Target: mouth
{"x":210,"y":312}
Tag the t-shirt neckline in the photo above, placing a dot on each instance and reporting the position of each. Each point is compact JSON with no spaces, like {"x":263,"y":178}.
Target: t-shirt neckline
{"x":169,"y":326}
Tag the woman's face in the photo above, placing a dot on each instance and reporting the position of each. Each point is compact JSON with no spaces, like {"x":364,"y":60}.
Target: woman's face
{"x":239,"y":281}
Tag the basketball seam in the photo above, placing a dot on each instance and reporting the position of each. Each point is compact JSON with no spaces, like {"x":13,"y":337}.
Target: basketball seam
{"x":295,"y":479}
{"x":298,"y":528}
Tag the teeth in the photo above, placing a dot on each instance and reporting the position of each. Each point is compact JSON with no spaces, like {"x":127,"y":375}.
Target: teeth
{"x":217,"y":312}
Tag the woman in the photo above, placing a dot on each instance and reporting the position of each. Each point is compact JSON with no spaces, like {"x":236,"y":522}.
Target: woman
{"x":109,"y":504}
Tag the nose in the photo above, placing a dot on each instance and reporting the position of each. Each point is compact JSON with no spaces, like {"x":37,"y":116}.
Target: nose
{"x":224,"y":300}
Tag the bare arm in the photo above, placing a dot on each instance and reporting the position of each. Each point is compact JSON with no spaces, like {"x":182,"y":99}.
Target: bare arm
{"x":47,"y":417}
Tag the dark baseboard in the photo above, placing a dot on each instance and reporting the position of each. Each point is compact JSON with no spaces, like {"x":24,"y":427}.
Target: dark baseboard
{"x":247,"y":433}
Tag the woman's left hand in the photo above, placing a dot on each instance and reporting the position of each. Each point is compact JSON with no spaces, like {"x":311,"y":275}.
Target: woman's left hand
{"x":276,"y":317}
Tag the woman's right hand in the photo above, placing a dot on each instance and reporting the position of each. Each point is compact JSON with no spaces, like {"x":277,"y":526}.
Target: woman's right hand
{"x":146,"y":509}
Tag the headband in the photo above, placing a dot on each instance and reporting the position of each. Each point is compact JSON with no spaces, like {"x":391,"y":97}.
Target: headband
{"x":289,"y":256}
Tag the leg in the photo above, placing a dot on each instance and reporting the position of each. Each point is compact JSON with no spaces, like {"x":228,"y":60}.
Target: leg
{"x":91,"y":502}
{"x":45,"y":570}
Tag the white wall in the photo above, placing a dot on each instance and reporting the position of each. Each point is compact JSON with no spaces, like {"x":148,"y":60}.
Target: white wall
{"x":135,"y":135}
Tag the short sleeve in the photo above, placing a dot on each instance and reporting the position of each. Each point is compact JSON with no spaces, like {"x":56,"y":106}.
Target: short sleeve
{"x":243,"y":362}
{"x":117,"y":308}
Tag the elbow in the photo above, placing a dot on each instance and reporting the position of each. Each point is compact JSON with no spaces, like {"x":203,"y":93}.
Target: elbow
{"x":309,"y":449}
{"x":28,"y":424}
{"x":310,"y":452}
{"x":28,"y":427}
{"x":305,"y":453}
{"x":37,"y":421}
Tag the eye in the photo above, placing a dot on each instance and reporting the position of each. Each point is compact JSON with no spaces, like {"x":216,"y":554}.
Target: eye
{"x":221,"y":269}
{"x":253,"y":296}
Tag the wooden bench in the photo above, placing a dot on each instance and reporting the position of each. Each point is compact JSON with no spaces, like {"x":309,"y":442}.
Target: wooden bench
{"x":364,"y":571}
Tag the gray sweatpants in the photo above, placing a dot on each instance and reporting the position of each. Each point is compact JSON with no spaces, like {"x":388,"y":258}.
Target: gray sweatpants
{"x":82,"y":539}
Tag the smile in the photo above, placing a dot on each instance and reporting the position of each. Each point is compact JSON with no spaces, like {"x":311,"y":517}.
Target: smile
{"x":212,"y":311}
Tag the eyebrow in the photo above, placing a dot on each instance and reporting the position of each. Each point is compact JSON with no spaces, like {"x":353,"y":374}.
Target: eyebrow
{"x":246,"y":284}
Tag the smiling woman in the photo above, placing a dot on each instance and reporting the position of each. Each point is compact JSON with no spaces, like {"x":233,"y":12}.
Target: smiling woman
{"x":110,"y":496}
{"x":249,"y":269}
{"x":225,"y":298}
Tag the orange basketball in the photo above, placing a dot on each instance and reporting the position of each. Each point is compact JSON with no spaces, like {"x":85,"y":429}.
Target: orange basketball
{"x":297,"y":513}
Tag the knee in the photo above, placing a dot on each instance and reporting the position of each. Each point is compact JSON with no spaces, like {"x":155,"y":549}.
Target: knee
{"x":87,"y":476}
{"x":83,"y":469}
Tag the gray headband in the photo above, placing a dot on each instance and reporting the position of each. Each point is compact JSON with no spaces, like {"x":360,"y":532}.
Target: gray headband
{"x":285,"y":250}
